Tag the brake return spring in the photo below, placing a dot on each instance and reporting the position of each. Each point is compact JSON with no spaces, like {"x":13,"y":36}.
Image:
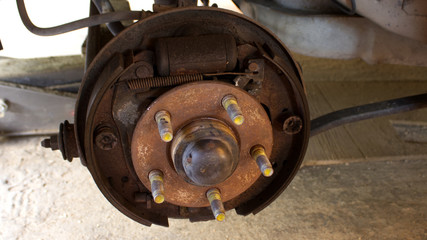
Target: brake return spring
{"x":144,"y":83}
{"x":150,"y":82}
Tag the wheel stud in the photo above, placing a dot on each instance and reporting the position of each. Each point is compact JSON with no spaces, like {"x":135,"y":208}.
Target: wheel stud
{"x":259,"y":155}
{"x":157,"y":189}
{"x":217,"y":207}
{"x":229,"y":103}
{"x":163,"y":120}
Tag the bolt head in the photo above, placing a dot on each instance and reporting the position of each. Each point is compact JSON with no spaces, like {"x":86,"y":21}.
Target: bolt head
{"x":46,"y":143}
{"x":144,"y":71}
{"x":253,"y":67}
{"x":106,"y":140}
{"x":292,"y":125}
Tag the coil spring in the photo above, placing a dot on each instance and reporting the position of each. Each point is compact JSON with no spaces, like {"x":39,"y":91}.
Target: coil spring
{"x":144,"y":83}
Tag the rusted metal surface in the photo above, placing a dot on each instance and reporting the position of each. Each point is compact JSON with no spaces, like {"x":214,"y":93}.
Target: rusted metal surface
{"x":185,"y":104}
{"x":215,"y":21}
{"x":146,"y":83}
{"x":292,"y":125}
{"x":105,"y":138}
{"x":165,"y":5}
{"x":252,"y":83}
{"x":196,"y":54}
{"x":65,"y":141}
{"x":105,"y":100}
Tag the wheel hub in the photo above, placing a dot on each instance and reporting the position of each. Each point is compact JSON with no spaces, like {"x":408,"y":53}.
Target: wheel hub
{"x":185,"y":114}
{"x":197,"y":114}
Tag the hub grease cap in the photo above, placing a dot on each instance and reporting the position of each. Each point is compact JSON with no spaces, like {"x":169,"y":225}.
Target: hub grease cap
{"x":205,"y":152}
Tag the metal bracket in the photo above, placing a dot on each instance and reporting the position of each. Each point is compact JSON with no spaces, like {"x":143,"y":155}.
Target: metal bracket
{"x":252,"y":83}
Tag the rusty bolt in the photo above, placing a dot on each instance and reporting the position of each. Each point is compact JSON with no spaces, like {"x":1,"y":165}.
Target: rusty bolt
{"x":230,"y":104}
{"x":51,"y":142}
{"x":64,"y":141}
{"x":264,"y":165}
{"x":46,"y":143}
{"x":106,"y":139}
{"x":157,"y":189}
{"x":253,"y":67}
{"x":163,"y":120}
{"x":292,"y":125}
{"x":214,"y":197}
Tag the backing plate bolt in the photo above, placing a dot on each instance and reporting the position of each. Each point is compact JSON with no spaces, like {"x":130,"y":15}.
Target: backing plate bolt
{"x":292,"y":125}
{"x":253,"y":67}
{"x":105,"y":139}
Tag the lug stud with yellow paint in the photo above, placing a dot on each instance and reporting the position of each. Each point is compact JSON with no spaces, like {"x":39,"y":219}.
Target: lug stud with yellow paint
{"x":230,"y":104}
{"x":259,"y":155}
{"x":157,"y":189}
{"x":163,"y":120}
{"x":214,"y":197}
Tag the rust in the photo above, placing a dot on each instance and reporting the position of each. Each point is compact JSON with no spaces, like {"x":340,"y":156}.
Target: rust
{"x":64,"y":141}
{"x":252,"y":83}
{"x":106,"y":139}
{"x":187,"y":103}
{"x":292,"y":125}
{"x":105,"y":99}
{"x":253,"y":66}
{"x":145,"y":83}
{"x":196,"y":54}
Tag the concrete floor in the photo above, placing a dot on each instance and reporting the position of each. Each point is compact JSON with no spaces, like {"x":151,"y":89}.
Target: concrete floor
{"x":43,"y":197}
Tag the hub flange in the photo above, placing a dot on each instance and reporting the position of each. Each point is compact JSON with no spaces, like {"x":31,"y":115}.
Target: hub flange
{"x":189,"y":103}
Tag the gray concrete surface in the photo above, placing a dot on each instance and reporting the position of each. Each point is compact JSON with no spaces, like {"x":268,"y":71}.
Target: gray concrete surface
{"x":44,"y":197}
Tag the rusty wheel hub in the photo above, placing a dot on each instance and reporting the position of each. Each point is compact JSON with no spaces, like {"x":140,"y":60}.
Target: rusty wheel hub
{"x":199,"y":119}
{"x":186,"y":115}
